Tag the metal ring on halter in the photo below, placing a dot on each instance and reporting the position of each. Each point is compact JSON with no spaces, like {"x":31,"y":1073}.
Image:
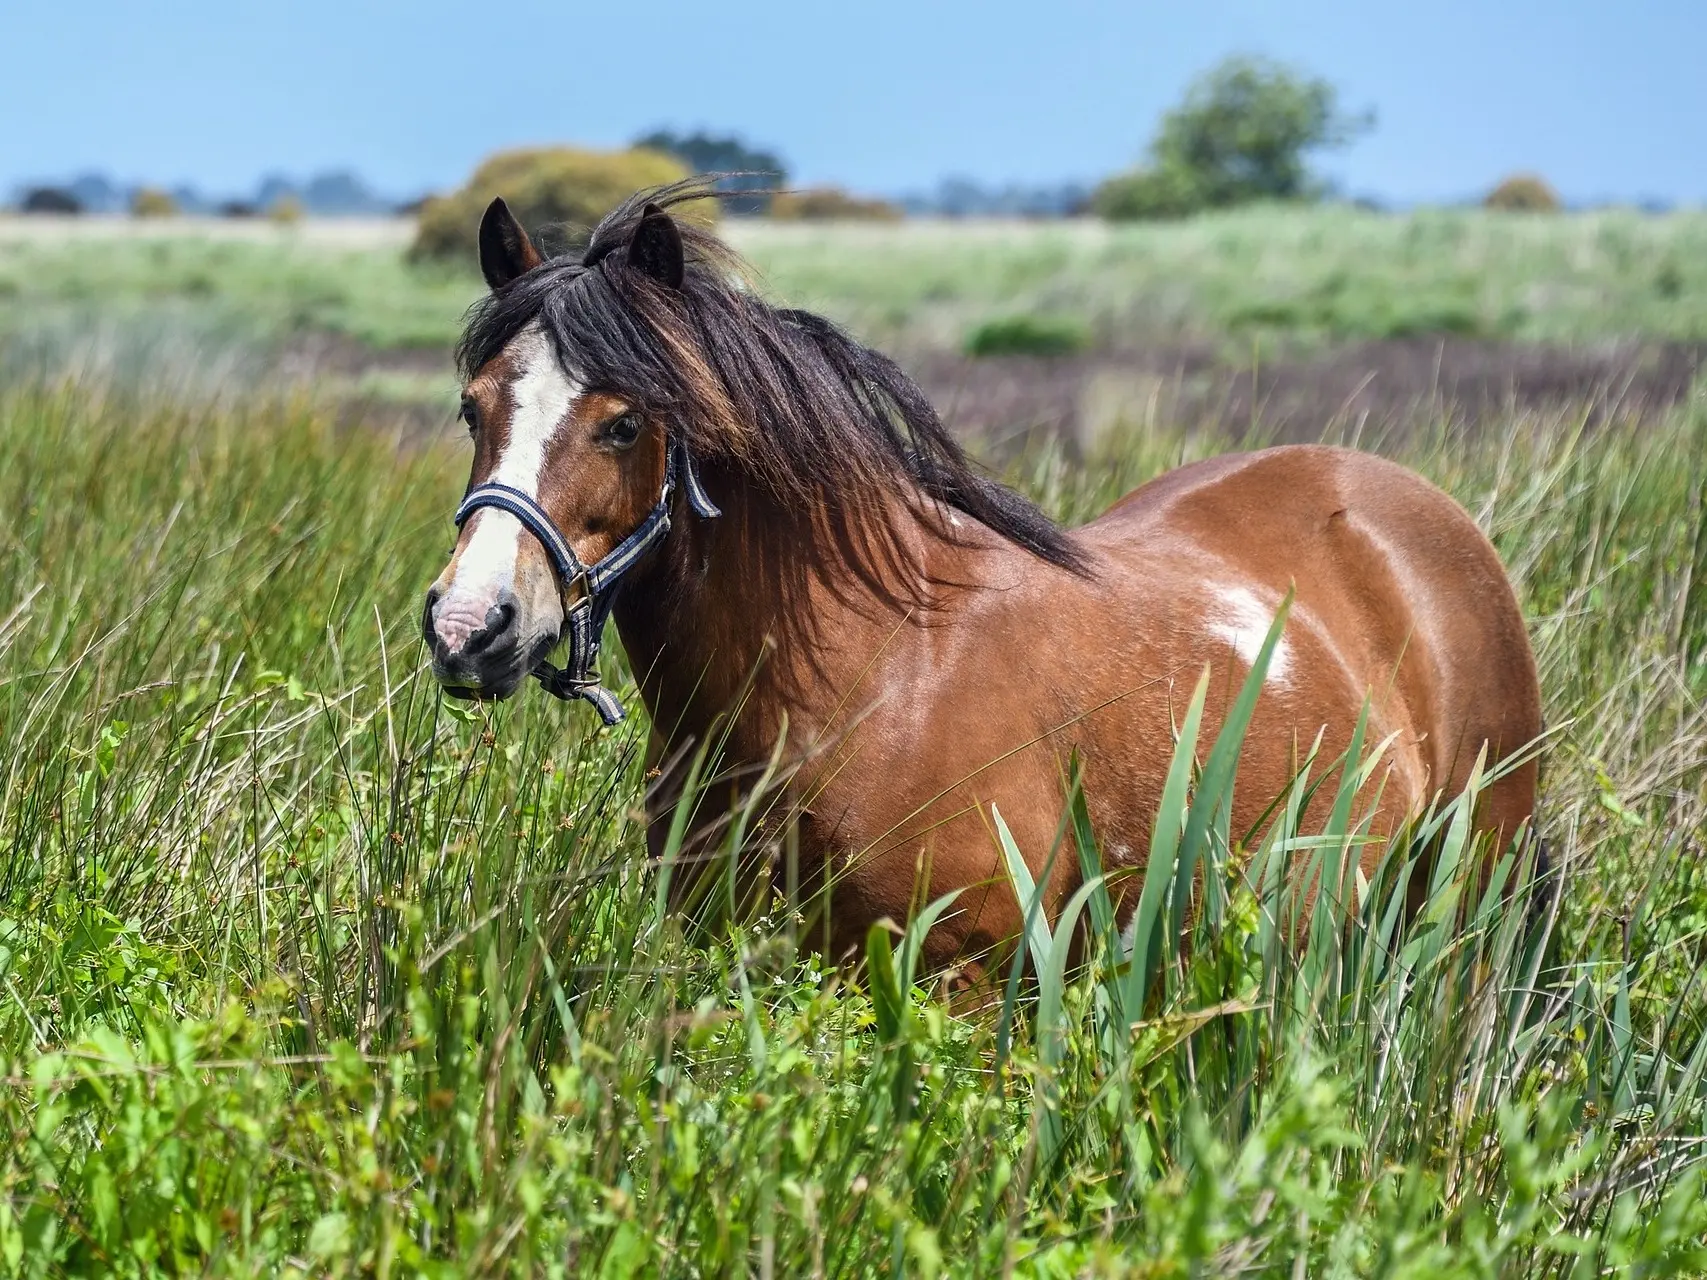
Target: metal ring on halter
{"x":584,"y":621}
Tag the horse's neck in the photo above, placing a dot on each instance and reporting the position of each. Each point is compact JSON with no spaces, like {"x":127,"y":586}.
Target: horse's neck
{"x":754,"y":614}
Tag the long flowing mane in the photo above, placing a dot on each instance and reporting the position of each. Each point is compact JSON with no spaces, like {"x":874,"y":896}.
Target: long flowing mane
{"x":819,"y":418}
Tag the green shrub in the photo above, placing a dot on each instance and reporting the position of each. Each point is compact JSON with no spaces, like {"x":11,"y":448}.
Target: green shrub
{"x":1523,"y":193}
{"x":1273,"y":313}
{"x":1027,"y":336}
{"x":1428,"y":317}
{"x":152,"y":202}
{"x":1166,"y":191}
{"x":545,"y":186}
{"x":1372,"y":315}
{"x":286,"y":210}
{"x":831,"y":204}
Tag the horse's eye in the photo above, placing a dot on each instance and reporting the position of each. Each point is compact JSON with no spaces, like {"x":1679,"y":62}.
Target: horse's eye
{"x":471,"y":415}
{"x":624,"y":431}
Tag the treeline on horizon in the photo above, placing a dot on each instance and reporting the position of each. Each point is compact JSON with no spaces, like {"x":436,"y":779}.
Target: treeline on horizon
{"x":343,"y":193}
{"x":1244,"y":132}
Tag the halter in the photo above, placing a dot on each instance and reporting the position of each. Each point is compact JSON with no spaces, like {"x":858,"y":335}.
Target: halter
{"x":584,"y":621}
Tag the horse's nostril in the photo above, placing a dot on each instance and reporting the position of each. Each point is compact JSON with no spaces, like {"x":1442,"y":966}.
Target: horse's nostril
{"x":500,"y":620}
{"x":433,"y":594}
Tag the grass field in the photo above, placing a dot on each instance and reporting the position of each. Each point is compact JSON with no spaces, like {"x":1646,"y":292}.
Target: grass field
{"x":1310,"y":274}
{"x":305,"y":971}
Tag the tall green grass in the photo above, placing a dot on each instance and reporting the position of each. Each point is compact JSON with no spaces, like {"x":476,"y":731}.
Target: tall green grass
{"x":304,"y":970}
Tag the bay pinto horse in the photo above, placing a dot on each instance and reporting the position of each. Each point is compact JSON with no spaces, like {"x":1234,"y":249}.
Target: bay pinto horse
{"x":798,"y":541}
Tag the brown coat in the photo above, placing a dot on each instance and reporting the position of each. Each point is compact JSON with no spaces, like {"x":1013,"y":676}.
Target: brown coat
{"x":910,"y":723}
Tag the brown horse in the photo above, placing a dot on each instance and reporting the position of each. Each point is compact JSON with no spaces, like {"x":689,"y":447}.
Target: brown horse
{"x":804,"y":555}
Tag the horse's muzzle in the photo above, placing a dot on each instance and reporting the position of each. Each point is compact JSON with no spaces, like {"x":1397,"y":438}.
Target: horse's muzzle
{"x":476,"y":657}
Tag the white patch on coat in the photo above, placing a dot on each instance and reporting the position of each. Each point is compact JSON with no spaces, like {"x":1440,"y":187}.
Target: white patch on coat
{"x":1241,"y":620}
{"x":544,"y":397}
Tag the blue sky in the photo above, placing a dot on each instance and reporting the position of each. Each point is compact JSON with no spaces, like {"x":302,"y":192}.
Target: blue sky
{"x":1605,"y":99}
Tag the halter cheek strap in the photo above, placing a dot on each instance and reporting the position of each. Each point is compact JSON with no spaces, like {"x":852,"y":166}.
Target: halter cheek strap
{"x":584,"y":621}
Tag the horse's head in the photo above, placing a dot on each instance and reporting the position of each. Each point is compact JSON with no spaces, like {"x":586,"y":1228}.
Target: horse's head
{"x":592,"y":386}
{"x":591,"y":459}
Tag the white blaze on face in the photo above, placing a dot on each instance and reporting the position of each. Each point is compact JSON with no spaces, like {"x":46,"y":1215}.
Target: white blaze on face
{"x":1241,"y":620}
{"x":542,"y":396}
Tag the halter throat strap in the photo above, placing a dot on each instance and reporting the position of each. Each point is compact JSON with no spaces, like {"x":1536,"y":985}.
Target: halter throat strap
{"x":584,"y":621}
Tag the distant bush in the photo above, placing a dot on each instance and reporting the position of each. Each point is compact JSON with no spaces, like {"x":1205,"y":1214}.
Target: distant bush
{"x":1027,"y":336}
{"x":1372,"y":312}
{"x":1241,"y":134}
{"x":546,"y":186}
{"x":824,"y":204}
{"x":1148,"y":194}
{"x":286,"y":210}
{"x":236,"y":209}
{"x":50,"y":200}
{"x":1523,"y":193}
{"x":152,"y":202}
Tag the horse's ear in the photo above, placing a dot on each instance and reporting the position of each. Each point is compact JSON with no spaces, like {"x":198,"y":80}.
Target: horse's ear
{"x":656,"y":248}
{"x":505,"y":250}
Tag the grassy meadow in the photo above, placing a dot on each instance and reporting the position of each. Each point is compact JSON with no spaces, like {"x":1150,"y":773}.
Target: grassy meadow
{"x":1302,"y":274}
{"x":307,"y":971}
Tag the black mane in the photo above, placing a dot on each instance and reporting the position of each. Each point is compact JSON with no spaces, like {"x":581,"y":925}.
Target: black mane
{"x":787,"y":394}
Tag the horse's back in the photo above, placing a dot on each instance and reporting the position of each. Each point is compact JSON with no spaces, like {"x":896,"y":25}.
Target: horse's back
{"x":1397,"y":576}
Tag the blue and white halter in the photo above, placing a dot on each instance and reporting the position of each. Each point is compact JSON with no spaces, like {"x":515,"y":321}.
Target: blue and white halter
{"x":584,"y":621}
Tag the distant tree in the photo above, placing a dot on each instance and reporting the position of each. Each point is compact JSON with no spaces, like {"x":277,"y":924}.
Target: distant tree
{"x":97,"y":193}
{"x":1242,"y":133}
{"x":339,"y":193}
{"x":49,"y":200}
{"x":755,"y":173}
{"x":190,"y":200}
{"x":273,"y":188}
{"x":957,"y":196}
{"x":1523,"y":193}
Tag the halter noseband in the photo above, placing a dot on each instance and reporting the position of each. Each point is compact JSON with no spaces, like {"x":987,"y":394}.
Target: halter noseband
{"x":584,"y":621}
